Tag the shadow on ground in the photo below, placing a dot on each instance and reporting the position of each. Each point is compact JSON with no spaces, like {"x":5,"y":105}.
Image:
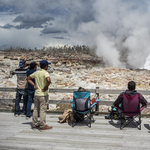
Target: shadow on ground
{"x":116,"y":124}
{"x":147,"y":126}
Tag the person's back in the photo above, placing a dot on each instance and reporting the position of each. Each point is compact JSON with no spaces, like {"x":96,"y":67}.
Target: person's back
{"x":21,"y":90}
{"x":130,"y":92}
{"x":42,"y":81}
{"x":30,"y":86}
{"x":31,"y":91}
{"x":21,"y":78}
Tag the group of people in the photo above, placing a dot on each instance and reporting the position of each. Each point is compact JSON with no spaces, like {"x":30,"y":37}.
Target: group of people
{"x":33,"y":84}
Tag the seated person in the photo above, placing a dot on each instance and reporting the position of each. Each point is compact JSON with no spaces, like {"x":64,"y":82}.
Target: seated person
{"x":92,"y":101}
{"x":114,"y":112}
{"x":81,"y":89}
{"x":130,"y":91}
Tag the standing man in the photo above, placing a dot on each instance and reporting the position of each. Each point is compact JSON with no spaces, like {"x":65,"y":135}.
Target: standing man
{"x":42,"y":82}
{"x":31,"y":91}
{"x":21,"y":90}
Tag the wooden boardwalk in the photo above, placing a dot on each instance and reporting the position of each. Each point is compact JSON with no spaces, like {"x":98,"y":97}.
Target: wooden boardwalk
{"x":16,"y":133}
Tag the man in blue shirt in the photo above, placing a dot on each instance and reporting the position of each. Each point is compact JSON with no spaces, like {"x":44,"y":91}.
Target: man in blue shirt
{"x":31,"y":90}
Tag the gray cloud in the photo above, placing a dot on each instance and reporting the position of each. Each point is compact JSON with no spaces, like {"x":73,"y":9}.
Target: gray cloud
{"x":7,"y":26}
{"x":53,"y":30}
{"x":32,"y":20}
{"x":61,"y":37}
{"x":114,"y":27}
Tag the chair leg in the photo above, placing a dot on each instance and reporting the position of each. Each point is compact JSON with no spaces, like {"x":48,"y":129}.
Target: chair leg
{"x":82,"y":119}
{"x":140,"y":121}
{"x":73,"y":123}
{"x":90,"y":119}
{"x":129,"y":120}
{"x":111,"y":116}
{"x":121,"y":123}
{"x":137,"y":123}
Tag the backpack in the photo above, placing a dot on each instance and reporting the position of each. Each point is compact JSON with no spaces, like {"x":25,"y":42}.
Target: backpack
{"x":114,"y":113}
{"x":67,"y":116}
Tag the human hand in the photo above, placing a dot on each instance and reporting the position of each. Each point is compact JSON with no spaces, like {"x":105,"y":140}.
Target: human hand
{"x":35,"y":87}
{"x":45,"y":89}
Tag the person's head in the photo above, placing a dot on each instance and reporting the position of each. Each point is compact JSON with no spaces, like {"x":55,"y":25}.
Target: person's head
{"x":44,"y":64}
{"x":22,"y":63}
{"x":33,"y":65}
{"x":81,"y":89}
{"x":131,"y":85}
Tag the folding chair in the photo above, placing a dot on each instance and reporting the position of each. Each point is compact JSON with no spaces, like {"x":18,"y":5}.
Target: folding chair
{"x":80,"y":105}
{"x":130,"y":111}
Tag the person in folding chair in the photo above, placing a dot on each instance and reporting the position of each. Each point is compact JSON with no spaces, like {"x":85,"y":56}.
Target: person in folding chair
{"x":82,"y":107}
{"x":130,"y":103}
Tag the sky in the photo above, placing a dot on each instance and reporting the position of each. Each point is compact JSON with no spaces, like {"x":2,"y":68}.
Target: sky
{"x":115,"y":27}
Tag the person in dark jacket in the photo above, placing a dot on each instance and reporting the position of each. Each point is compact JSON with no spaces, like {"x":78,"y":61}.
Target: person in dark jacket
{"x":130,"y":91}
{"x":31,"y":90}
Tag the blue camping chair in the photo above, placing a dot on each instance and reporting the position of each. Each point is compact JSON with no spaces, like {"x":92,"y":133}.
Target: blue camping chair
{"x":81,"y":107}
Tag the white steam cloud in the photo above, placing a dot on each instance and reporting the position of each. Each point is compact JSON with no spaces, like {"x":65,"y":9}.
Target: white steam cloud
{"x":106,"y":48}
{"x":123,"y":26}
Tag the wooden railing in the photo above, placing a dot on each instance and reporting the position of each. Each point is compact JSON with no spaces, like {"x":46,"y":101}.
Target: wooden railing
{"x":51,"y":90}
{"x":96,"y":90}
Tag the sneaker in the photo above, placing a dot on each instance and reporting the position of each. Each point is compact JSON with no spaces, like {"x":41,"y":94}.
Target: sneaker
{"x":27,"y":118}
{"x":23,"y":115}
{"x":16,"y":115}
{"x":46,"y":128}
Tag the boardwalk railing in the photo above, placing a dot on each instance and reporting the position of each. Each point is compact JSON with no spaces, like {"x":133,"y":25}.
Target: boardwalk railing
{"x":96,"y":90}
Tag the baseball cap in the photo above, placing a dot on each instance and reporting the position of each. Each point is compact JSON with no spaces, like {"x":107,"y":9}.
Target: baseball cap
{"x":22,"y":63}
{"x":44,"y":62}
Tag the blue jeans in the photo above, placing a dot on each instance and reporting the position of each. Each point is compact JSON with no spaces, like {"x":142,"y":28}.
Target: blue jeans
{"x":19,"y":94}
{"x":30,"y":101}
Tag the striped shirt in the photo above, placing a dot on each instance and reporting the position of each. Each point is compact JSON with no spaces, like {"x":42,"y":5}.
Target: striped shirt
{"x":21,"y":78}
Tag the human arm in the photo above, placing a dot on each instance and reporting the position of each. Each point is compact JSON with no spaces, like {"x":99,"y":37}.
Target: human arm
{"x":48,"y":82}
{"x":142,"y":100}
{"x":118,"y":100}
{"x":29,"y":79}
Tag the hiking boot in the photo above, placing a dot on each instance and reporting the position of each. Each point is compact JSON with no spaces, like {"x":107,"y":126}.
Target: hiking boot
{"x":46,"y":127}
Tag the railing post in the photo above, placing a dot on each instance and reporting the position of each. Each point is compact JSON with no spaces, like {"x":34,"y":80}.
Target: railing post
{"x":97,"y":106}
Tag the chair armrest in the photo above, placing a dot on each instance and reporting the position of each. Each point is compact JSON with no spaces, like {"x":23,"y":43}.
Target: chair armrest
{"x":72,"y":105}
{"x":98,"y":100}
{"x":95,"y":103}
{"x":143,"y":107}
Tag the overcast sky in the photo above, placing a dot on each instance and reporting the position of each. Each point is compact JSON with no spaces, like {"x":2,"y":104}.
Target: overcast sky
{"x":113,"y":26}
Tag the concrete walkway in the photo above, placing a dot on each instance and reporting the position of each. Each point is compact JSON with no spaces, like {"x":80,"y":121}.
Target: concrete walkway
{"x":16,"y":133}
